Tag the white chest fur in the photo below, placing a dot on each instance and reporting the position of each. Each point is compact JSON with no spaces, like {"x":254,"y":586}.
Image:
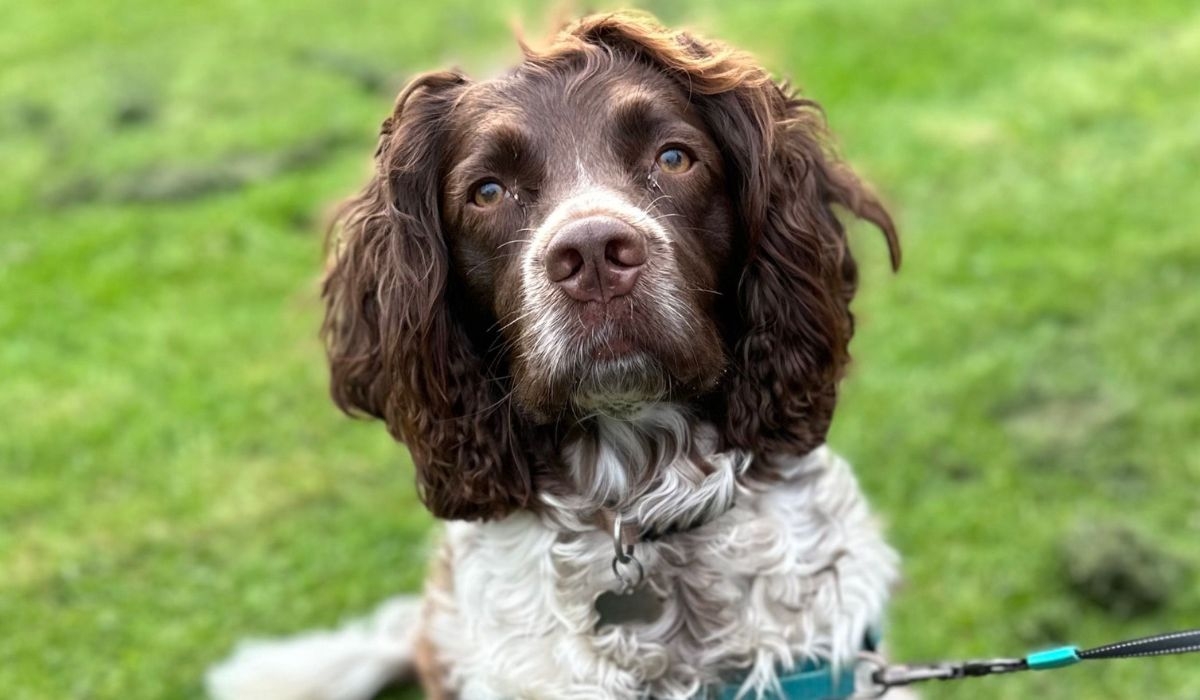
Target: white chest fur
{"x":794,"y":570}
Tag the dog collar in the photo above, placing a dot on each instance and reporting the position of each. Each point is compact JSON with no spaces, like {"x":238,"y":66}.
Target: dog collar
{"x":811,"y":680}
{"x":634,"y":532}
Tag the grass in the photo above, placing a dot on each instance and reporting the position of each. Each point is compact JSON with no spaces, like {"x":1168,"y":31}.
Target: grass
{"x":174,"y":478}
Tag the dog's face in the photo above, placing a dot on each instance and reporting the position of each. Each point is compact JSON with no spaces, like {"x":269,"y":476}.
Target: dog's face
{"x":588,"y":211}
{"x":631,"y":215}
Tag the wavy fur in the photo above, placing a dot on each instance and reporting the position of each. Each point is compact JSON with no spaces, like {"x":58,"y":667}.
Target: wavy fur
{"x":711,"y":439}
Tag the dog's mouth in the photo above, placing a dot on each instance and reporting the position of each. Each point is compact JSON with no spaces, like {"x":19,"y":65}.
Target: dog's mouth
{"x":613,"y":368}
{"x":614,"y":349}
{"x":611,"y":331}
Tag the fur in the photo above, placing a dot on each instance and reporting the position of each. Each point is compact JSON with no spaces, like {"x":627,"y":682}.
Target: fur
{"x":796,"y":569}
{"x":690,"y":399}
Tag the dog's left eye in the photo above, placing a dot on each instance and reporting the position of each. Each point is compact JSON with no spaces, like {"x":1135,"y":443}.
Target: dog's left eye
{"x":488,"y":193}
{"x":674,"y":161}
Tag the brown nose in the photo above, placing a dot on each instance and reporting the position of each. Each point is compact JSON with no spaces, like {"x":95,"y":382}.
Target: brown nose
{"x":596,"y":259}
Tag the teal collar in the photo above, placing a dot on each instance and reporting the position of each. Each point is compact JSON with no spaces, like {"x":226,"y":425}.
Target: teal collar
{"x":811,"y":680}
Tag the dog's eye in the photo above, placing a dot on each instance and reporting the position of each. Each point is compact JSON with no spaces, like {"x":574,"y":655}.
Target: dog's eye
{"x":674,"y":161}
{"x":488,"y":193}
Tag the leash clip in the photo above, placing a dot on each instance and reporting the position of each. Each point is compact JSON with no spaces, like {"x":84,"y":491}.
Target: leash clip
{"x":884,"y":677}
{"x":628,"y":570}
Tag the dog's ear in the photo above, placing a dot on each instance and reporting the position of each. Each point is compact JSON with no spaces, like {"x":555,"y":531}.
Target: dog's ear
{"x":794,"y":294}
{"x":396,"y":348}
{"x":789,"y":346}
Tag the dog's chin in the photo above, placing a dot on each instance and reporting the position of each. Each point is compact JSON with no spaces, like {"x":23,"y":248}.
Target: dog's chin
{"x":616,"y":386}
{"x":619,"y":386}
{"x":616,"y":369}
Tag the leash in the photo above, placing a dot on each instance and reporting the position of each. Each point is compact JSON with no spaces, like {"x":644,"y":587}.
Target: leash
{"x":885,"y":677}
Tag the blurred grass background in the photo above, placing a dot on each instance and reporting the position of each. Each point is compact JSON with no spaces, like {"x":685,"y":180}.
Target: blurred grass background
{"x":174,"y":477}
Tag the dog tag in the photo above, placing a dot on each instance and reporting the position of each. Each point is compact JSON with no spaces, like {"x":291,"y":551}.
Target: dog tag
{"x":639,"y":606}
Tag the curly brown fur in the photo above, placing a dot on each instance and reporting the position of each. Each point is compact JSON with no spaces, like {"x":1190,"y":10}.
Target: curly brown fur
{"x":410,"y":342}
{"x":609,"y":287}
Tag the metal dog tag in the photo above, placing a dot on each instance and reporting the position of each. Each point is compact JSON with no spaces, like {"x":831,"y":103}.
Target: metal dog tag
{"x":639,"y":606}
{"x":633,"y":602}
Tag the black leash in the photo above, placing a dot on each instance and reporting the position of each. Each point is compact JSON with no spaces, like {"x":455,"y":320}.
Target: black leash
{"x":1157,"y":645}
{"x":885,"y":677}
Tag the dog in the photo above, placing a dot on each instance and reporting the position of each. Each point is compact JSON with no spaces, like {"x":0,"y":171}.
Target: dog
{"x":604,"y":299}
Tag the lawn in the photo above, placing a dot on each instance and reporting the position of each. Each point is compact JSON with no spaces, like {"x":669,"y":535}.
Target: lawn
{"x":174,"y":477}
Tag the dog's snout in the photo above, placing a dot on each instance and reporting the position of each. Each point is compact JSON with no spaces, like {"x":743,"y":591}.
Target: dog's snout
{"x":596,"y":259}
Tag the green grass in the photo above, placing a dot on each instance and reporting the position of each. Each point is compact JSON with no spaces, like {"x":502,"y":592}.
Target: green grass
{"x":175,"y":479}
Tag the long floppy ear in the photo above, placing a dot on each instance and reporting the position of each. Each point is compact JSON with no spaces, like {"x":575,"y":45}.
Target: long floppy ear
{"x":799,"y":276}
{"x":790,"y":344}
{"x":396,"y":349}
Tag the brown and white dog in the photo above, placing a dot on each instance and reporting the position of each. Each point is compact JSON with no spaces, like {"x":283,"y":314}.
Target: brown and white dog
{"x":605,"y":295}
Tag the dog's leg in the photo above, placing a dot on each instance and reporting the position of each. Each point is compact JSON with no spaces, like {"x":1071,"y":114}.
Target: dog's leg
{"x":350,"y":663}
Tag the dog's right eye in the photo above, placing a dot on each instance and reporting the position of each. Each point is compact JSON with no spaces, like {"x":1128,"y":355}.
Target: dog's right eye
{"x":488,"y":194}
{"x":674,"y":161}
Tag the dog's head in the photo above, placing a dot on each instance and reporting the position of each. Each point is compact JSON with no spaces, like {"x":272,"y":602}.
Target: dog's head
{"x":631,"y":215}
